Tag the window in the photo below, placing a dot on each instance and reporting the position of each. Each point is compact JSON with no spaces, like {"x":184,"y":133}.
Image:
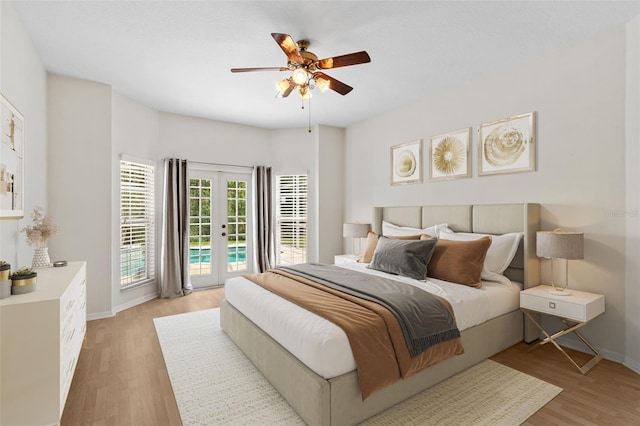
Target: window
{"x":291,"y":219}
{"x":137,"y":227}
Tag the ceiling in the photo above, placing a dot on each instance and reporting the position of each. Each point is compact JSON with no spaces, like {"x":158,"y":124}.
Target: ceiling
{"x":175,"y":56}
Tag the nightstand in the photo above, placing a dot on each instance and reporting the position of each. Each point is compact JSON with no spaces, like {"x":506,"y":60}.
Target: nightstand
{"x":341,"y":259}
{"x":578,"y":308}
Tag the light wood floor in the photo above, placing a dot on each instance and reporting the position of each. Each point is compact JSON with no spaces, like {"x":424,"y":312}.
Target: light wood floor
{"x":121,"y":377}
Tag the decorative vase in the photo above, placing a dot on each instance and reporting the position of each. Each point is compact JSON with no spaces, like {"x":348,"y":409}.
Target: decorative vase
{"x":41,"y":258}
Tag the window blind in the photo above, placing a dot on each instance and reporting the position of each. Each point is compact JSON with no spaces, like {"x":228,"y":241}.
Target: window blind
{"x":291,"y":219}
{"x":137,"y":226}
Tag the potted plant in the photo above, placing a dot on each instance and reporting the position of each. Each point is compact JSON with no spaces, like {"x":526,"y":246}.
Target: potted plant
{"x":23,"y":280}
{"x":5,"y":270}
{"x":38,"y":235}
{"x":5,"y":282}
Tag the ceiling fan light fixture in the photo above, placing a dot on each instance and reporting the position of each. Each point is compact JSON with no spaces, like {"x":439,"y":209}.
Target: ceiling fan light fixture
{"x":305,"y":93}
{"x":322,"y":84}
{"x":300,"y":76}
{"x":282,"y":86}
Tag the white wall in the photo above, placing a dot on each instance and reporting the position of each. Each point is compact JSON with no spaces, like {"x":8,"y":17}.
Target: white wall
{"x":23,"y":82}
{"x":632,"y":213}
{"x":79,"y":181}
{"x":330,"y":166}
{"x":210,"y":141}
{"x":320,"y":154}
{"x":135,"y":133}
{"x":579,"y":95}
{"x":295,"y":151}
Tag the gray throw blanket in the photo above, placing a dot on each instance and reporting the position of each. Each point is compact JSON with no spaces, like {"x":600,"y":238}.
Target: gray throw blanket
{"x":425,"y":321}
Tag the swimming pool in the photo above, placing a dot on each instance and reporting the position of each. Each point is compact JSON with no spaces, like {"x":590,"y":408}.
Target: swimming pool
{"x":203,"y":254}
{"x":133,"y":262}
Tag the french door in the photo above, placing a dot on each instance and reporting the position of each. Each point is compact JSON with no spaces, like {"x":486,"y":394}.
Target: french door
{"x":220,"y":228}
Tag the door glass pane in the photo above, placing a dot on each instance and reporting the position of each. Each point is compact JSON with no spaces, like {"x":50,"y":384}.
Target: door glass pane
{"x":236,"y":228}
{"x":200,"y":227}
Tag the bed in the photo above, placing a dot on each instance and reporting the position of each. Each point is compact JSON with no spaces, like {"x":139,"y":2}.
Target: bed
{"x":334,"y":398}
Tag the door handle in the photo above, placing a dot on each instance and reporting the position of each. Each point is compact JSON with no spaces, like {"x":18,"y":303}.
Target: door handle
{"x":224,"y":226}
{"x":224,"y":234}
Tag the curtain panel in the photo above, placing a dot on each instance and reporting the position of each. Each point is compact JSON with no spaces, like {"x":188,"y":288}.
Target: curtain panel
{"x":265,"y":241}
{"x":174,"y":257}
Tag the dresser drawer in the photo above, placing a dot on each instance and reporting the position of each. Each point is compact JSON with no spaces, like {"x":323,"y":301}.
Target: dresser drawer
{"x":73,"y":313}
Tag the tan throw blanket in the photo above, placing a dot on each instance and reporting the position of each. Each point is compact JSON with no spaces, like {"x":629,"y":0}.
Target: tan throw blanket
{"x":376,"y":338}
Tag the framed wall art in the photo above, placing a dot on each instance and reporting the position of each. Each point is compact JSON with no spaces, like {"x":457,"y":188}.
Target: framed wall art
{"x":449,"y":156}
{"x":507,"y":145}
{"x":11,"y":161}
{"x":406,"y":163}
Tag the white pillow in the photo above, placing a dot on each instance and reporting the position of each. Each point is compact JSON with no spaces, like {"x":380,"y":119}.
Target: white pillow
{"x":391,"y":230}
{"x":500,"y":254}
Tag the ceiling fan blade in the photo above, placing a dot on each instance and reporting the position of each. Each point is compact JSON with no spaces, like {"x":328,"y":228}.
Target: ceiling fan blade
{"x":259,"y":69}
{"x":288,"y":46}
{"x":344,"y":60}
{"x":285,"y":87}
{"x":292,"y":86}
{"x":335,"y":85}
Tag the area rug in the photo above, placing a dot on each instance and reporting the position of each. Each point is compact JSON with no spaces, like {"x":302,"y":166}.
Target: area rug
{"x":215,"y":384}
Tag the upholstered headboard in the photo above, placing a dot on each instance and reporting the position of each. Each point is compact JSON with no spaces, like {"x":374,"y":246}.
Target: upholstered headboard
{"x":480,"y":218}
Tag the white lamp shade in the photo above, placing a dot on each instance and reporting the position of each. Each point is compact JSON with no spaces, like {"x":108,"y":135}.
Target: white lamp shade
{"x":560,"y":244}
{"x":355,"y":230}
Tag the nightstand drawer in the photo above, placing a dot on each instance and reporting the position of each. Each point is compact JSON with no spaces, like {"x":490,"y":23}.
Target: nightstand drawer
{"x":553,"y":307}
{"x":342,"y":259}
{"x":578,"y":306}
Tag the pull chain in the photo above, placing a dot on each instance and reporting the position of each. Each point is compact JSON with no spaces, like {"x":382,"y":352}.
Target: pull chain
{"x":309,"y":115}
{"x":302,"y":107}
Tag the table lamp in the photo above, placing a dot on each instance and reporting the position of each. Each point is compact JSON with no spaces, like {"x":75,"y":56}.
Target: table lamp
{"x":357,"y":231}
{"x":560,"y":244}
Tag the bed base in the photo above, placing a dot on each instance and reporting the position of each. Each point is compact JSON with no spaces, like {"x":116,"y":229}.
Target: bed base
{"x":337,"y":401}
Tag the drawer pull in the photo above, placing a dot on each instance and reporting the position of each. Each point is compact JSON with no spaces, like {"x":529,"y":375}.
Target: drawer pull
{"x":552,"y":305}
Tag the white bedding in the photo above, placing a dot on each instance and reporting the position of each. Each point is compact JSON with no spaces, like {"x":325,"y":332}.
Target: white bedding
{"x":323,"y":346}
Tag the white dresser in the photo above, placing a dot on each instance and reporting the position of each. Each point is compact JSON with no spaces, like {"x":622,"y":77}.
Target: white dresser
{"x":41,"y":335}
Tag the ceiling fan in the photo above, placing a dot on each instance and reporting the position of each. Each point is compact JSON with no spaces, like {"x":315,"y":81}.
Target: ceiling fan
{"x":305,"y":65}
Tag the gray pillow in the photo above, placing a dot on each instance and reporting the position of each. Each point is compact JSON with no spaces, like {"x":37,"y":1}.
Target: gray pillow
{"x":408,"y":258}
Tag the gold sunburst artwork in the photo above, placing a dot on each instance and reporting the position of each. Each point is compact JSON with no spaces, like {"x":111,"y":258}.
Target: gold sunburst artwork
{"x":450,"y":155}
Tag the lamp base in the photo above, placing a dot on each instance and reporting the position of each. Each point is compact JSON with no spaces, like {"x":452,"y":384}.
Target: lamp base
{"x":560,"y":292}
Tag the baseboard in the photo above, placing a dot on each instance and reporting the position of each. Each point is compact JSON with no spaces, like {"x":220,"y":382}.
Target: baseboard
{"x":130,"y":304}
{"x":580,"y":347}
{"x":100,"y":315}
{"x":632,"y":365}
{"x":136,"y":302}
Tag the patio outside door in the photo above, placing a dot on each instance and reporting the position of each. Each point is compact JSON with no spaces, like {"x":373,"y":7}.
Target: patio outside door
{"x":220,"y":226}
